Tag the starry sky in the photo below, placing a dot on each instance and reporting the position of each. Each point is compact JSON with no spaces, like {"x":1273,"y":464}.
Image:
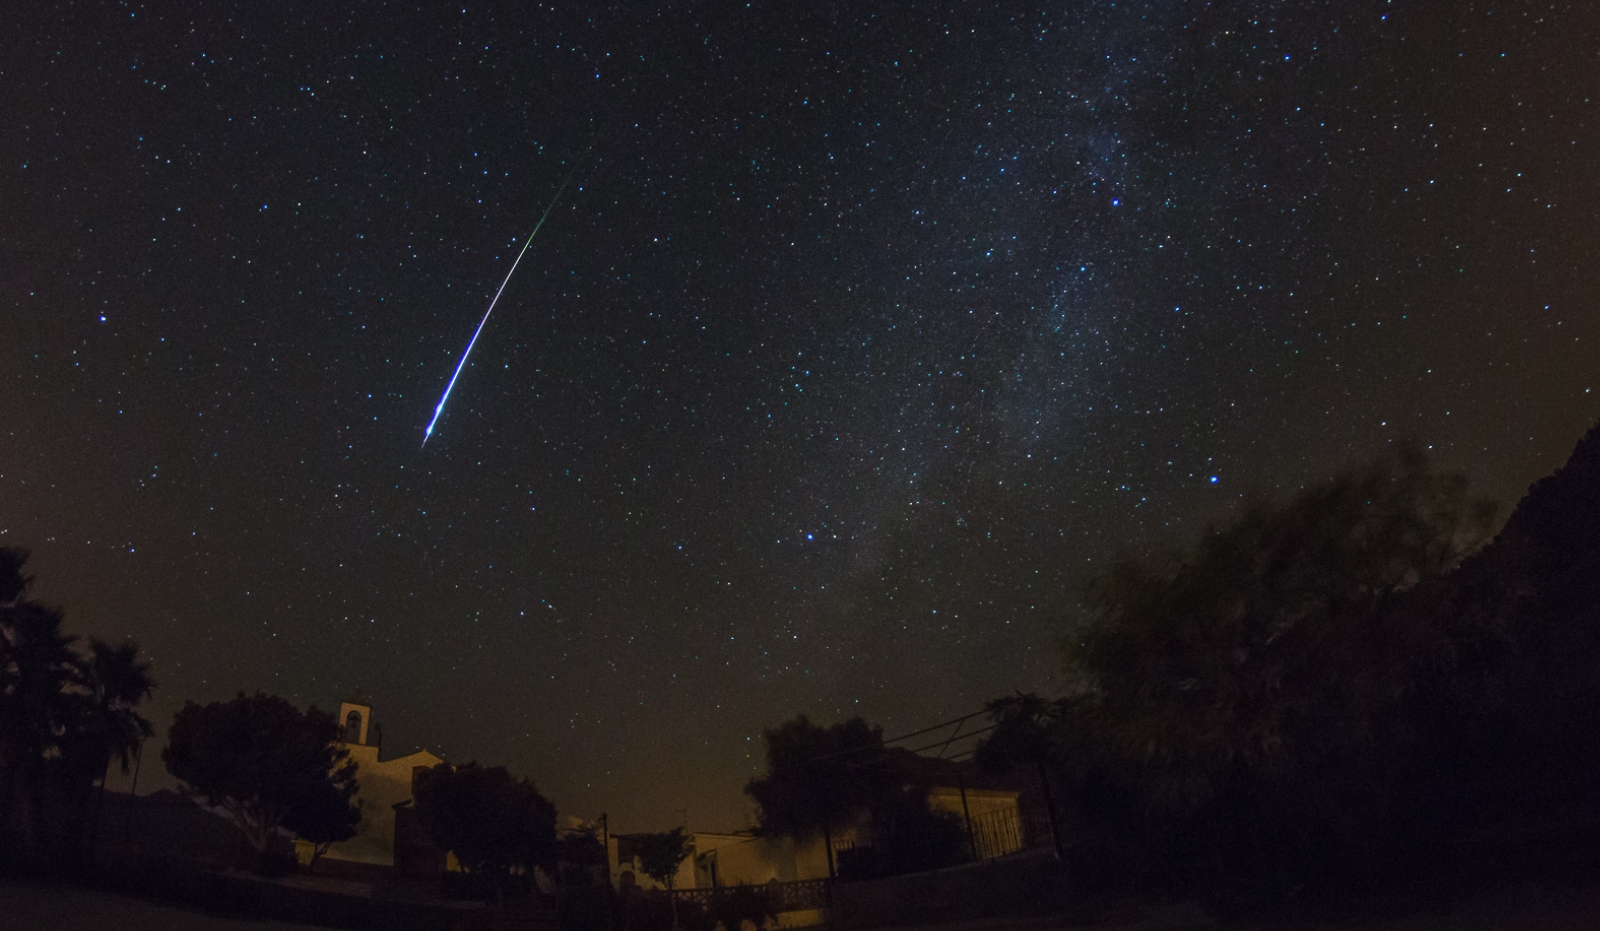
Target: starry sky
{"x":862,"y":332}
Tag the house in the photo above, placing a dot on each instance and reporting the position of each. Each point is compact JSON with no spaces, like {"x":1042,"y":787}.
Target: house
{"x":718,"y":860}
{"x":990,"y":817}
{"x":389,"y":834}
{"x":723,"y":859}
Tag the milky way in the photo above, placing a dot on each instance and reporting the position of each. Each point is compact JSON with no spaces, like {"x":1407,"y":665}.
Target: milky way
{"x":869,"y":330}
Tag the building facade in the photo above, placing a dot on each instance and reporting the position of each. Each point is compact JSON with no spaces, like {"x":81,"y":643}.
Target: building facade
{"x":384,"y":796}
{"x":990,"y":818}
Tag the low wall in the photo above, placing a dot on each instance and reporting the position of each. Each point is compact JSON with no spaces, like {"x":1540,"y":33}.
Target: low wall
{"x":352,"y":870}
{"x":803,"y":918}
{"x":195,"y":885}
{"x":1031,"y":885}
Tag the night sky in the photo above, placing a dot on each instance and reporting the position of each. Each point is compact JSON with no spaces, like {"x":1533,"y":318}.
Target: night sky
{"x":862,"y":332}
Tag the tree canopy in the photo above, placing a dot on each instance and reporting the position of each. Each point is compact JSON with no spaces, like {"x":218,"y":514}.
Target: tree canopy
{"x":1024,"y":733}
{"x":323,"y":816}
{"x":819,"y":778}
{"x":264,"y":761}
{"x":580,"y":856}
{"x":1279,"y":646}
{"x":1286,"y":678}
{"x":491,"y":820}
{"x":661,"y":854}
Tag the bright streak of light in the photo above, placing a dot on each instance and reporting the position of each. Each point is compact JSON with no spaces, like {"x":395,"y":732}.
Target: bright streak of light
{"x":437,"y":411}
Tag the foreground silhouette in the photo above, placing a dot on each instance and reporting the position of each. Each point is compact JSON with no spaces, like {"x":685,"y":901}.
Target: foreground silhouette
{"x":65,"y":717}
{"x":1343,"y":693}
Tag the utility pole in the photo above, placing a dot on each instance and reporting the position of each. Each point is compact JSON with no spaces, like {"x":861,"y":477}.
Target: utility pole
{"x":972,"y":841}
{"x":1049,"y":809}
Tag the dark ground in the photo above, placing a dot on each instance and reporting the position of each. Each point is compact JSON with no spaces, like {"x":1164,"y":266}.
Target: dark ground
{"x":1545,"y":905}
{"x":29,"y":906}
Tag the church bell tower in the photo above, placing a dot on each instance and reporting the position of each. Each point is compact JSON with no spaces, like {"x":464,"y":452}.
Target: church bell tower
{"x":355,"y":720}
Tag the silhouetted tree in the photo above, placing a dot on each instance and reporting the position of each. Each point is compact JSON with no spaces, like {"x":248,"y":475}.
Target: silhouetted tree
{"x":1027,"y":733}
{"x":1260,"y":690}
{"x":324,"y":816}
{"x":580,"y":855}
{"x":660,"y":855}
{"x":1267,"y":647}
{"x":117,"y":682}
{"x":820,"y":779}
{"x":14,"y":581}
{"x":40,"y":671}
{"x":258,"y":758}
{"x":492,"y":821}
{"x":109,"y":729}
{"x":1525,"y":612}
{"x":63,"y":717}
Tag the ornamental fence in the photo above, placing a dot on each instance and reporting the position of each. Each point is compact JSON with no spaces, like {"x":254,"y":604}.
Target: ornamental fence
{"x":781,"y":896}
{"x":1001,"y":833}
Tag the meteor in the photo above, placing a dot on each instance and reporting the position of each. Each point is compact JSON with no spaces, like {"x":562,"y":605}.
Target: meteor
{"x":426,"y":434}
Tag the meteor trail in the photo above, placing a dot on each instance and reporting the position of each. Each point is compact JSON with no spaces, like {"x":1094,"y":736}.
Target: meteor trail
{"x":472,"y":342}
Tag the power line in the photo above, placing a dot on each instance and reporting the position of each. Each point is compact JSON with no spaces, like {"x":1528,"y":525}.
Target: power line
{"x":929,"y":730}
{"x":926,"y":730}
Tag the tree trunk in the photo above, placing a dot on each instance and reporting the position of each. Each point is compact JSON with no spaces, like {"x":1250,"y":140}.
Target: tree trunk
{"x":99,"y":806}
{"x":827,"y":845}
{"x":25,"y":797}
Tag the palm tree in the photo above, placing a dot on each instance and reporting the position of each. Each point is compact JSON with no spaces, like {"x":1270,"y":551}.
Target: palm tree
{"x":110,"y":730}
{"x":117,"y":681}
{"x":39,"y":676}
{"x":62,"y":714}
{"x":13,"y":582}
